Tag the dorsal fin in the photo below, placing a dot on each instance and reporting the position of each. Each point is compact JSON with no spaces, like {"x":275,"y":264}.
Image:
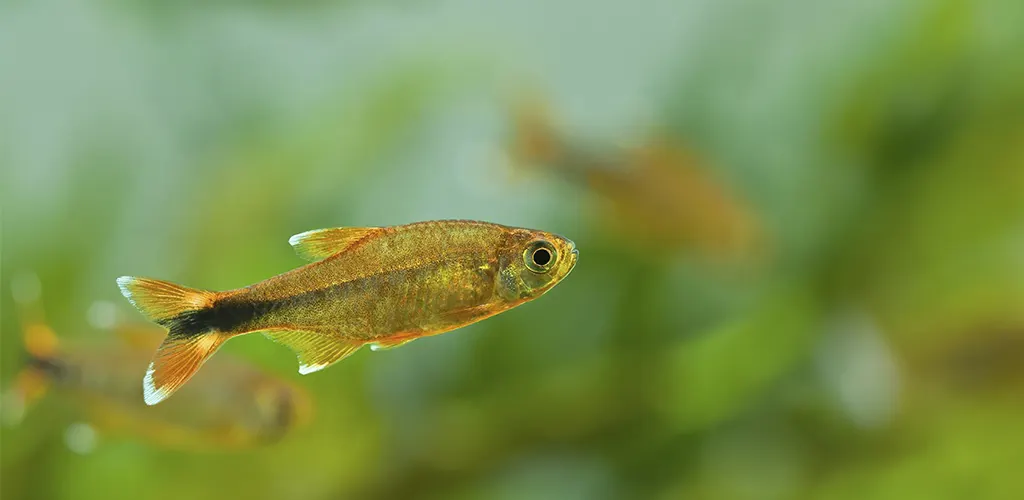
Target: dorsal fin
{"x":319,"y":244}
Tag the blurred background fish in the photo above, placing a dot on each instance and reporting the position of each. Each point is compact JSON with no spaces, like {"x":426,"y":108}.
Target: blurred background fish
{"x":658,"y":197}
{"x":868,"y":346}
{"x":238,"y":405}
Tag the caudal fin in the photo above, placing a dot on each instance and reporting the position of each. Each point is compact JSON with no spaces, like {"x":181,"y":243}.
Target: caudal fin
{"x":190,"y":340}
{"x":176,"y":361}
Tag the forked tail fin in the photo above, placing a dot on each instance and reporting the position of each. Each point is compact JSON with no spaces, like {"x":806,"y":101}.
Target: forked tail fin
{"x":191,"y":339}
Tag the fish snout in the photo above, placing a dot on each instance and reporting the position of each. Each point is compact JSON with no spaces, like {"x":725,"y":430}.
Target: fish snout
{"x":574,"y":255}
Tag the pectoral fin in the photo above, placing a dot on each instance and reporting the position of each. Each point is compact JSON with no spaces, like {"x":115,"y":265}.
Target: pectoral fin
{"x":319,"y":244}
{"x":316,"y":350}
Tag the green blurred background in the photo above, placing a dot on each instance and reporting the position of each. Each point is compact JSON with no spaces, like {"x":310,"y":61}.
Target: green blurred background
{"x":875,"y":349}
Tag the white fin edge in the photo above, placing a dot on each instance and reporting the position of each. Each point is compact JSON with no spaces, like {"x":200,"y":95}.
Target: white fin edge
{"x":150,"y":393}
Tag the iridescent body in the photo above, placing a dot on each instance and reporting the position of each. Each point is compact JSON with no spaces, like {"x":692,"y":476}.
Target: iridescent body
{"x":233,"y":404}
{"x":403,"y":282}
{"x":376,"y":286}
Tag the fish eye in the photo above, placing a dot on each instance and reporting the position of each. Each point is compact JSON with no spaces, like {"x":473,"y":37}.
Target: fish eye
{"x":539,"y":256}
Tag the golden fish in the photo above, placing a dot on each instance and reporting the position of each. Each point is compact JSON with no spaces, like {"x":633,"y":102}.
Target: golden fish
{"x":379,"y":286}
{"x":236,"y":405}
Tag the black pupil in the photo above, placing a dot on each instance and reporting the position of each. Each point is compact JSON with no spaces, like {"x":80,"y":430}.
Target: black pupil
{"x":541,"y":256}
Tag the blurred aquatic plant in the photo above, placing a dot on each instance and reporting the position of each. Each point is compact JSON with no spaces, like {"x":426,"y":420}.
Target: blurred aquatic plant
{"x":877,"y":146}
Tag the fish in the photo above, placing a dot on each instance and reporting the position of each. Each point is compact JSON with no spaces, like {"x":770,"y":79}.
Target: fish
{"x":660,"y":194}
{"x":376,"y":286}
{"x":236,"y":405}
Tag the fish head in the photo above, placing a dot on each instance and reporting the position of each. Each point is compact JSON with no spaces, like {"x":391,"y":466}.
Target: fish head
{"x":531,"y":262}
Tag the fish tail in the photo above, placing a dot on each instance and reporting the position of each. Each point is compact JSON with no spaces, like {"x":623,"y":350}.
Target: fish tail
{"x":163,"y":302}
{"x":191,"y":339}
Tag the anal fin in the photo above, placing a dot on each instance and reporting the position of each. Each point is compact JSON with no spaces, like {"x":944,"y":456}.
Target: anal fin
{"x":315,"y":350}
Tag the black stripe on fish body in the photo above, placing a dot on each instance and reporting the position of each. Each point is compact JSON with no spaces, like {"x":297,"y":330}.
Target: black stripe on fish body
{"x":281,"y":415}
{"x":226,"y":315}
{"x":233,"y":314}
{"x":237,"y":314}
{"x":53,"y":368}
